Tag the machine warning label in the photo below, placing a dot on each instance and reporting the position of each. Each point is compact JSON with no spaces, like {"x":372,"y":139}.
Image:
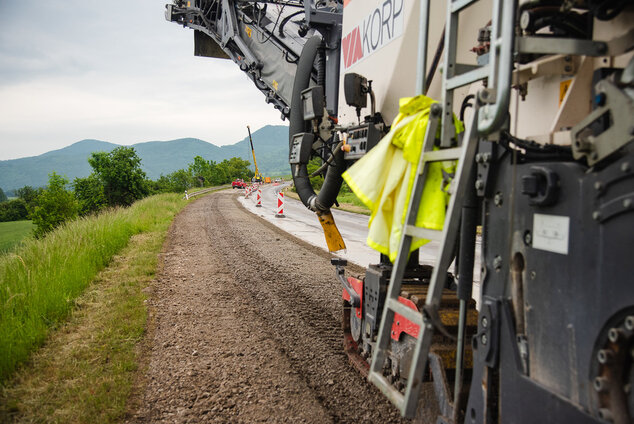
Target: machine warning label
{"x":382,"y":25}
{"x":550,"y":232}
{"x":563,"y":89}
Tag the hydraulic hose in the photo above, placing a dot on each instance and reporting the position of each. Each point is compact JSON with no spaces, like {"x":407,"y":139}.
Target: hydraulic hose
{"x":332,"y":183}
{"x":297,"y":124}
{"x":285,"y":21}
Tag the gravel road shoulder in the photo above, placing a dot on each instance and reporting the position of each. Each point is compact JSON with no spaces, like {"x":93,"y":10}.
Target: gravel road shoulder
{"x":245,"y":326}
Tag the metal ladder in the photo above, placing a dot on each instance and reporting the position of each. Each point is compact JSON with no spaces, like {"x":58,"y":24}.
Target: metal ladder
{"x":489,"y":114}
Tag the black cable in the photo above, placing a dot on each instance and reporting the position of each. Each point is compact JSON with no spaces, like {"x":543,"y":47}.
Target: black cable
{"x":285,"y":21}
{"x":565,"y":23}
{"x":211,"y":4}
{"x":465,"y":105}
{"x":321,"y":64}
{"x":539,"y":3}
{"x":260,"y":13}
{"x":435,"y":61}
{"x":286,"y":57}
{"x":606,"y":10}
{"x":603,"y":10}
{"x":274,"y":26}
{"x":260,"y":85}
{"x":323,"y":169}
{"x":534,"y":151}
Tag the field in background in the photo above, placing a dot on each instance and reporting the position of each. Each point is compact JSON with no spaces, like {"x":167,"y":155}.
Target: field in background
{"x":11,"y":233}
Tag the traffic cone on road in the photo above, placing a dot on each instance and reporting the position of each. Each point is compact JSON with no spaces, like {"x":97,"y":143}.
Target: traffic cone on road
{"x":280,"y":205}
{"x":258,"y":199}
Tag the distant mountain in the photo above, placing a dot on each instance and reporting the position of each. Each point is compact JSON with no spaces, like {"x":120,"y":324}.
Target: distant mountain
{"x":157,"y":157}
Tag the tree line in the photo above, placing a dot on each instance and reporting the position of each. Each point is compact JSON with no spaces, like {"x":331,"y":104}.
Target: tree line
{"x":117,"y":180}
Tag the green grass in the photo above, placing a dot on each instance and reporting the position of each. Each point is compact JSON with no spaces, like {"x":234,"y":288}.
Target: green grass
{"x":86,"y":370}
{"x":11,"y":233}
{"x":351,"y":199}
{"x":41,"y":279}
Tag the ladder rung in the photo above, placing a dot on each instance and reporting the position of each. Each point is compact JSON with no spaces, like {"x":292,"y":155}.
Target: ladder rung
{"x":423,"y":233}
{"x":408,"y":313}
{"x":458,"y":5}
{"x":542,"y":45}
{"x":387,"y":389}
{"x":442,"y":154}
{"x":461,"y":68}
{"x":467,"y":77}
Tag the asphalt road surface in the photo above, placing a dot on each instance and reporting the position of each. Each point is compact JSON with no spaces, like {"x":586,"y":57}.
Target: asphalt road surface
{"x":302,"y":223}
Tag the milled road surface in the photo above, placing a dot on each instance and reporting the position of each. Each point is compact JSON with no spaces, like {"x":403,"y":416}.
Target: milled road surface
{"x":245,"y":327}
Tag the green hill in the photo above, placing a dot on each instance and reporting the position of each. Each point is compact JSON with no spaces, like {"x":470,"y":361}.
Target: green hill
{"x":157,"y":157}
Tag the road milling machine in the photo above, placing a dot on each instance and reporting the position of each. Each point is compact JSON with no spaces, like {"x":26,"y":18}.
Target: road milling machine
{"x":529,"y":146}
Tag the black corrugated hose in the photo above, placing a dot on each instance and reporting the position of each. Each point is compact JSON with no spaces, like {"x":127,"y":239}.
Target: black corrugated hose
{"x":297,"y":124}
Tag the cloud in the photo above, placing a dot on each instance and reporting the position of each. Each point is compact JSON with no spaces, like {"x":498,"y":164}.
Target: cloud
{"x":115,"y":71}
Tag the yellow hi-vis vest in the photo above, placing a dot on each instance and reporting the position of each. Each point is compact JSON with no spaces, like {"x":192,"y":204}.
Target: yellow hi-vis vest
{"x":383,"y":179}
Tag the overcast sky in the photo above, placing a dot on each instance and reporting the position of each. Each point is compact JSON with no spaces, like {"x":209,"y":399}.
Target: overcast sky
{"x":115,"y":71}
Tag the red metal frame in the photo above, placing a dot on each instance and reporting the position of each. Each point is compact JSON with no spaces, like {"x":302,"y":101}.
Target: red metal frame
{"x":357,"y":286}
{"x":402,"y":324}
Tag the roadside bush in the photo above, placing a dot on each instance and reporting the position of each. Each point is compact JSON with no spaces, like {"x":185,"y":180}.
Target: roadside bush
{"x":13,"y":210}
{"x":219,"y":173}
{"x":156,"y":187}
{"x":179,"y":181}
{"x":345,"y":188}
{"x":313,"y":165}
{"x":234,"y":168}
{"x":29,"y":195}
{"x":89,"y":194}
{"x":121,"y":175}
{"x":54,"y":206}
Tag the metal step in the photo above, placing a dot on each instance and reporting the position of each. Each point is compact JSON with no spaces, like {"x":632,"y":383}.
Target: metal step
{"x":408,"y":313}
{"x":441,"y":155}
{"x":468,"y":77}
{"x":458,"y":5}
{"x":423,"y":233}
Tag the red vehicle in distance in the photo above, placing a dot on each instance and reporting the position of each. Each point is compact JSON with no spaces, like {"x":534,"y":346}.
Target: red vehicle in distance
{"x":238,"y":183}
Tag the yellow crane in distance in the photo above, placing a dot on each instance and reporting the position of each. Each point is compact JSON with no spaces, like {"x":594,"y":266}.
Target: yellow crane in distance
{"x":258,"y":177}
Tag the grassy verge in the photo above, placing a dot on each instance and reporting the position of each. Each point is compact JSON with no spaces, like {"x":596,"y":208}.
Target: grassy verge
{"x":86,"y":369}
{"x":11,"y":233}
{"x":351,"y":203}
{"x":42,"y":279}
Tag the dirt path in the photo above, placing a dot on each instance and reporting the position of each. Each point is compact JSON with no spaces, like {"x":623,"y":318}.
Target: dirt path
{"x":245,"y":327}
